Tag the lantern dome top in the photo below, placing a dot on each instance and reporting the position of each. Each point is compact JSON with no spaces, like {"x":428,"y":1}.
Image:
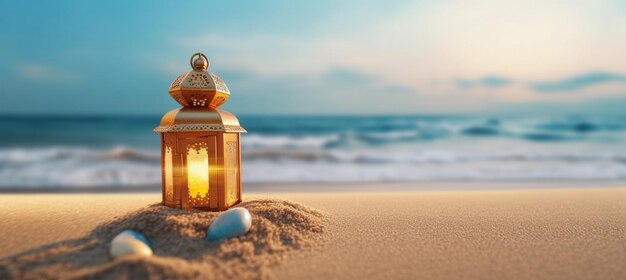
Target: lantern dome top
{"x":194,"y":120}
{"x":199,"y":87}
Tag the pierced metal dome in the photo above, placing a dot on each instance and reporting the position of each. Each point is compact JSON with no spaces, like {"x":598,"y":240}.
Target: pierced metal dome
{"x":199,"y":87}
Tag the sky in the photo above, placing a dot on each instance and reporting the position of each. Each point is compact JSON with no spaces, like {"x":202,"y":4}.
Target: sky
{"x":317,"y":57}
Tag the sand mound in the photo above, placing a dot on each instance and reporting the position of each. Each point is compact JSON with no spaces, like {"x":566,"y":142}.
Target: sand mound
{"x":180,"y":248}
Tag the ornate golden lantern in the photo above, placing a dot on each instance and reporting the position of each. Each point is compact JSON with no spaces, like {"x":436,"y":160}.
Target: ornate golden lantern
{"x":200,"y":145}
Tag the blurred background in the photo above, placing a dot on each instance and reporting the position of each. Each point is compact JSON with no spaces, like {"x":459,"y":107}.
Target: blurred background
{"x":357,"y":91}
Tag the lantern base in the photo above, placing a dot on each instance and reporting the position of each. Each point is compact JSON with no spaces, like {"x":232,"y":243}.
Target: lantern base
{"x":200,"y":208}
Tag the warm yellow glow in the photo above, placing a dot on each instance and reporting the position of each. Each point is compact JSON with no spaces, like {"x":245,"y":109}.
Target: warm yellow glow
{"x":232,"y":172}
{"x":198,"y":172}
{"x":169,"y":180}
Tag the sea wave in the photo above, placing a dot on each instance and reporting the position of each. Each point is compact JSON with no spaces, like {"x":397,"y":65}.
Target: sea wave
{"x":542,"y":132}
{"x":122,"y":151}
{"x":76,"y":167}
{"x":124,"y":166}
{"x":423,"y":157}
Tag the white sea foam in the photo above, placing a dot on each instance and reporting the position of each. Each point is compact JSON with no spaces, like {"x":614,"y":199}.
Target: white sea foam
{"x":285,"y":141}
{"x":122,"y":166}
{"x":78,"y":167}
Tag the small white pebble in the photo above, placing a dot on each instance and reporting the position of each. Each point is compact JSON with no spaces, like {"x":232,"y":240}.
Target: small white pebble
{"x":127,"y":243}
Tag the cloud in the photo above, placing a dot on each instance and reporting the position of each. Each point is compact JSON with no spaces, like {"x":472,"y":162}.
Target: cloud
{"x":487,"y":81}
{"x":353,"y":79}
{"x":399,"y":89}
{"x":338,"y":90}
{"x":42,"y":73}
{"x":348,"y":76}
{"x":578,"y":82}
{"x":356,"y":55}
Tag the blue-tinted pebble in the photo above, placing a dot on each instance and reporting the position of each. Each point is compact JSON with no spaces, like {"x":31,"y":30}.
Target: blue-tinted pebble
{"x":231,"y":223}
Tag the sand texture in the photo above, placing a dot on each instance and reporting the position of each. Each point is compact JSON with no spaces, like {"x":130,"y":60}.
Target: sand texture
{"x":577,"y":233}
{"x":181,"y":251}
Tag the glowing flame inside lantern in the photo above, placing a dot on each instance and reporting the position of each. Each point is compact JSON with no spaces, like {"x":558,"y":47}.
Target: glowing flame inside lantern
{"x":198,"y":172}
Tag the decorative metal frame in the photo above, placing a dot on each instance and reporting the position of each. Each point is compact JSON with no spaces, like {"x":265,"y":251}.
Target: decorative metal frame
{"x":200,"y":124}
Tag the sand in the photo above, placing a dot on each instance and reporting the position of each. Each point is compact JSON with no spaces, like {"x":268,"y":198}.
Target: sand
{"x":509,"y":234}
{"x":180,"y":246}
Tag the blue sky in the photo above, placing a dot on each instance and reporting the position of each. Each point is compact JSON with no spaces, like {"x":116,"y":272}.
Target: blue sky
{"x":317,"y":57}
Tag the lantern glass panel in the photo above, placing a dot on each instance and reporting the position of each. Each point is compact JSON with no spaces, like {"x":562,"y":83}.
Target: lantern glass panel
{"x":198,"y":172}
{"x":168,"y":170}
{"x":232,"y":170}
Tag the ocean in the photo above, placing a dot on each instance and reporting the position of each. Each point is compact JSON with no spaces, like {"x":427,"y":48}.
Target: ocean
{"x":98,"y":151}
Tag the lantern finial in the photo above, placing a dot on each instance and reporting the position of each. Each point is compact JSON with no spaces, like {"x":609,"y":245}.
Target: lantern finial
{"x":200,"y":63}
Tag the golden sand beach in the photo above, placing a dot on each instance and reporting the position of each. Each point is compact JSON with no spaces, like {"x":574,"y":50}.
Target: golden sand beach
{"x":564,"y":233}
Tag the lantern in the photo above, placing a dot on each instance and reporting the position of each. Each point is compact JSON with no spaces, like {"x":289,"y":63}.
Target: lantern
{"x":200,"y":145}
